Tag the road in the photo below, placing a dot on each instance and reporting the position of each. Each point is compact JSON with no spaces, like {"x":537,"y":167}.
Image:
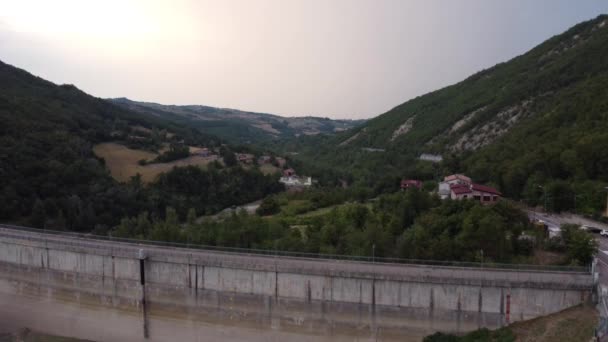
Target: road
{"x":554,"y":221}
{"x":602,"y":260}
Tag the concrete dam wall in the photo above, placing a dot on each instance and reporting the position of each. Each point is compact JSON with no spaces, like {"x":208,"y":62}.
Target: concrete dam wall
{"x":116,"y":291}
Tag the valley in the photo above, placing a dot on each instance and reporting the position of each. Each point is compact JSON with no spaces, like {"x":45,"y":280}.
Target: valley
{"x":500,"y":171}
{"x":168,"y":170}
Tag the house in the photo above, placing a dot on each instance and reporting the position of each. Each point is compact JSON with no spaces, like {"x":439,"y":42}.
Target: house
{"x":203,"y":152}
{"x":289,"y":172}
{"x":410,"y":184}
{"x":245,"y":158}
{"x":445,"y":186}
{"x":280,"y":161}
{"x":483,"y":194}
{"x":295,"y":181}
{"x":554,"y":232}
{"x":457,"y":179}
{"x":372,"y":149}
{"x":434,"y":158}
{"x":444,"y":190}
{"x":264,"y":160}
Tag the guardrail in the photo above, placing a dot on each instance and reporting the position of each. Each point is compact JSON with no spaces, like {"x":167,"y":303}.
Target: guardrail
{"x":601,"y":330}
{"x":318,"y":256}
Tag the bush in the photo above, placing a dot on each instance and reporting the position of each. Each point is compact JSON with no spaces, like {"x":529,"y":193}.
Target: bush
{"x":175,"y":152}
{"x":580,"y":245}
{"x":269,"y":206}
{"x":481,"y":335}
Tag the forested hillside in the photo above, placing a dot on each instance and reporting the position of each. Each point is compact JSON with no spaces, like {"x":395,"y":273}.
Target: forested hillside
{"x":49,"y":175}
{"x":239,"y":126}
{"x":534,"y":126}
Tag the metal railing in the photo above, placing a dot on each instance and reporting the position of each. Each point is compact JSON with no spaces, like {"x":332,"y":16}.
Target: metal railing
{"x":305,"y":255}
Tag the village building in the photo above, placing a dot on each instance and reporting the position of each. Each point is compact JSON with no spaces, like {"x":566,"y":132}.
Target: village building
{"x":245,"y":158}
{"x":289,"y":172}
{"x":410,"y":184}
{"x":457,"y":179}
{"x":295,"y":181}
{"x":481,"y":193}
{"x":372,"y":149}
{"x":434,"y":158}
{"x":444,"y":190}
{"x":203,"y":152}
{"x":281,"y":161}
{"x":264,"y":160}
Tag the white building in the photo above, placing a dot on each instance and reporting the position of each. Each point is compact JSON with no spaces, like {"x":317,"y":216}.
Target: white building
{"x":435,"y":158}
{"x":444,"y":190}
{"x":293,"y":181}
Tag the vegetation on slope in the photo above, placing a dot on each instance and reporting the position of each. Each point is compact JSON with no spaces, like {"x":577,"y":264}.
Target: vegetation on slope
{"x":237,"y":126}
{"x":48,"y":170}
{"x":538,"y":119}
{"x":573,"y":324}
{"x":412,"y":225}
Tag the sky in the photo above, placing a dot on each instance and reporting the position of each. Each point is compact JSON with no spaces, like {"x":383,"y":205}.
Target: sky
{"x":329,"y":58}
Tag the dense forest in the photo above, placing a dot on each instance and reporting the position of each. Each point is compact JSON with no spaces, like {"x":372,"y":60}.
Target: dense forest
{"x":535,"y":127}
{"x":49,"y":176}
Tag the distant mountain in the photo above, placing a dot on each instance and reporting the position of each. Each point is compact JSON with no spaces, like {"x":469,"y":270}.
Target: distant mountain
{"x":537,"y":119}
{"x":240,"y":126}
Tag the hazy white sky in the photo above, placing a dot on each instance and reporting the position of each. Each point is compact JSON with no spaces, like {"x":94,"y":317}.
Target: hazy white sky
{"x":335,"y":58}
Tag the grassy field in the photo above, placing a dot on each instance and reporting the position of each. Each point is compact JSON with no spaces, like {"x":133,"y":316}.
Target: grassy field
{"x":574,"y":324}
{"x":123,"y":162}
{"x":269,"y":169}
{"x":27,"y":335}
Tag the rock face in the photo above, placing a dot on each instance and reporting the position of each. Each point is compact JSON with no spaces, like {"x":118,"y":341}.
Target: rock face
{"x":353,"y":137}
{"x":403,"y":129}
{"x":466,"y":119}
{"x":488,"y":132}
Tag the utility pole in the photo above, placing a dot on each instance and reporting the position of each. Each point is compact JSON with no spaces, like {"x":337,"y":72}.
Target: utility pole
{"x":606,"y":213}
{"x":545,"y":197}
{"x":373,"y":253}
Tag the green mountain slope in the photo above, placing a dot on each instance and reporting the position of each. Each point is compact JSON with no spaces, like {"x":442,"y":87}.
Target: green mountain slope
{"x":49,"y":175}
{"x":538,"y":118}
{"x":240,"y":126}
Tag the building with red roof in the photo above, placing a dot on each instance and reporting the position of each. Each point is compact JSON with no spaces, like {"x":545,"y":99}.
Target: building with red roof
{"x":483,"y":194}
{"x":410,"y":183}
{"x":457,"y":179}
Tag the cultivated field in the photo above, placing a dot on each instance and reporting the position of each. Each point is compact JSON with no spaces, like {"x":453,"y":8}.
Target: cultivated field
{"x":123,"y":162}
{"x":269,"y":169}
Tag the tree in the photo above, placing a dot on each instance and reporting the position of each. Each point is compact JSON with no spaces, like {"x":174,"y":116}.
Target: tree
{"x":169,"y":229}
{"x":228,"y":156}
{"x":269,"y":206}
{"x":38,"y":216}
{"x":580,"y":245}
{"x":191,"y":218}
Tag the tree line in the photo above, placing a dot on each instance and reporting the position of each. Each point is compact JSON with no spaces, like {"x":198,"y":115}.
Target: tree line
{"x":411,"y":225}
